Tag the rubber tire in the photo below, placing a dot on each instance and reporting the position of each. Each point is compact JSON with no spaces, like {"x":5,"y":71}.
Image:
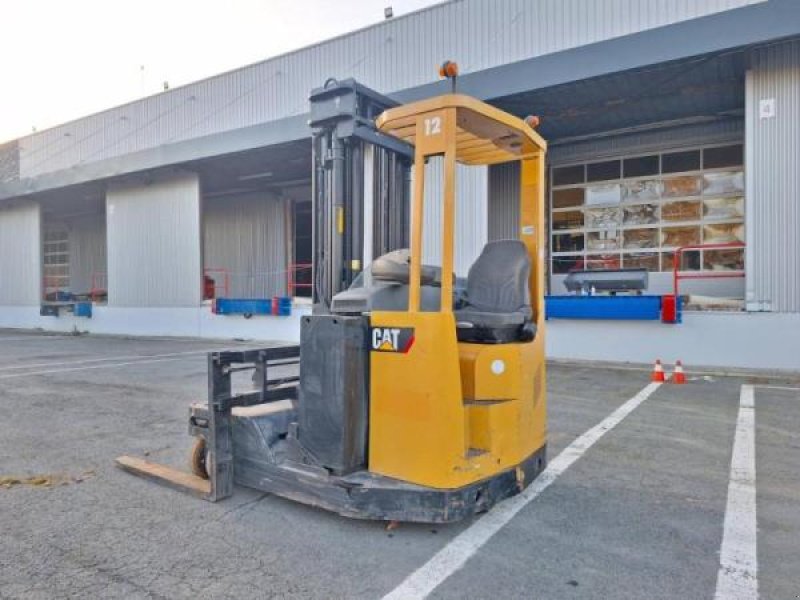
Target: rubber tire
{"x":197,"y":458}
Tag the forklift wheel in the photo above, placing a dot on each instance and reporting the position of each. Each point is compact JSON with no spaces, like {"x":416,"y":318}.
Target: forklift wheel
{"x":197,"y":459}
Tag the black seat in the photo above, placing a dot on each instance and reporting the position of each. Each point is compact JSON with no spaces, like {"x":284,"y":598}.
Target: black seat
{"x":498,"y":305}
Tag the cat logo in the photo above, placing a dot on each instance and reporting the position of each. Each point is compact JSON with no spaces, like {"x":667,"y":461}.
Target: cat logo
{"x":392,"y":339}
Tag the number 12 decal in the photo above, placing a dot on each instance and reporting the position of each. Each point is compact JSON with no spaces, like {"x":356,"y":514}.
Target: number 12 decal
{"x":433,"y":126}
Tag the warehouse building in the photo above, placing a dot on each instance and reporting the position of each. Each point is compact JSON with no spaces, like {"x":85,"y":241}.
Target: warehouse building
{"x":671,"y":123}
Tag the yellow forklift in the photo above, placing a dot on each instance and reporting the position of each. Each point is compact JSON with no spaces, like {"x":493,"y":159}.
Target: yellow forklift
{"x":420,"y":396}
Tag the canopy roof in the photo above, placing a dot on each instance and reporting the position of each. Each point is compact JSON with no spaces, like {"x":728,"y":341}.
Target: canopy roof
{"x":485,"y":134}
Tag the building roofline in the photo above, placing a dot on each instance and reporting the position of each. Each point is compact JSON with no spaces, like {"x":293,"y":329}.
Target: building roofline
{"x":385,"y":23}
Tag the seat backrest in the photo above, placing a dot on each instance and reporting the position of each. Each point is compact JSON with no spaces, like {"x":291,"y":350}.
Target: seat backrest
{"x":498,"y":279}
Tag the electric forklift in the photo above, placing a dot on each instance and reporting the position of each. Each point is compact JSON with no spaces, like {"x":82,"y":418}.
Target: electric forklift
{"x":420,"y":396}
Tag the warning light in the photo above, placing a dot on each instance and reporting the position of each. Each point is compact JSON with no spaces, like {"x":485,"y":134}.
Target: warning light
{"x":532,"y":121}
{"x":448,"y":69}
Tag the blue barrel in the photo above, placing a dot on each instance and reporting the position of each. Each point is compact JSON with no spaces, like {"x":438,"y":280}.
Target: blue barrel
{"x":284,"y":306}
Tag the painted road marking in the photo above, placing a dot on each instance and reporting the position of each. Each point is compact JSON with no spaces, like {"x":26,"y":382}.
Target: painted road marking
{"x":458,"y":551}
{"x":106,"y":366}
{"x":107,"y":359}
{"x":738,"y":571}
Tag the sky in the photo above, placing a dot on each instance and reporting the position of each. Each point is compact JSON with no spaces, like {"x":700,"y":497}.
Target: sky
{"x":60,"y":60}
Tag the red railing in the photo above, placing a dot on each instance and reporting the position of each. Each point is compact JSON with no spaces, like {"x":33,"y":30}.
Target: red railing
{"x":292,"y":284}
{"x":222,"y":281}
{"x":677,"y":275}
{"x":99,"y":286}
{"x":50,"y":285}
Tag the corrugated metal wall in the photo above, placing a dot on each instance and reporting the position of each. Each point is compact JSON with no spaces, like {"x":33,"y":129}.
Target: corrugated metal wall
{"x":643,"y":142}
{"x":154,"y":245}
{"x":773,"y":179}
{"x":20,"y":255}
{"x":389,"y":56}
{"x":504,"y":182}
{"x":87,"y":253}
{"x":471,"y":214}
{"x":247,"y":236}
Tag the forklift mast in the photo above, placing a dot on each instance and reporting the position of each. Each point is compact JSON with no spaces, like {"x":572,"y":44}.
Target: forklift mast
{"x":361,"y":186}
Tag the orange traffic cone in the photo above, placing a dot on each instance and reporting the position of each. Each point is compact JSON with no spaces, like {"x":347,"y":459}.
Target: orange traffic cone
{"x":658,"y":372}
{"x":678,"y":376}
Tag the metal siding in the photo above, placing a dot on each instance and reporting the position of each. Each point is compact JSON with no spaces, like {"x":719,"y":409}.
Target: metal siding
{"x":154,"y":245}
{"x":471,"y":230}
{"x":389,"y":56}
{"x":20,"y":256}
{"x":718,"y":132}
{"x":246,"y":235}
{"x":773,"y":181}
{"x":87,"y":253}
{"x":504,"y":190}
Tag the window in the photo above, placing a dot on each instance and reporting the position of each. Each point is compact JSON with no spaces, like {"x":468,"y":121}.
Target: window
{"x":603,"y":171}
{"x":634,"y":212}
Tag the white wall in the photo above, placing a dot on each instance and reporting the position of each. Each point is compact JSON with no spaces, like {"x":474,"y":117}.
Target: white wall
{"x":154,"y":242}
{"x":20,"y":255}
{"x":742,"y":340}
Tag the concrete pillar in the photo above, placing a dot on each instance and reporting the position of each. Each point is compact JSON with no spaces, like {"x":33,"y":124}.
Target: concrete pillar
{"x":154,"y":242}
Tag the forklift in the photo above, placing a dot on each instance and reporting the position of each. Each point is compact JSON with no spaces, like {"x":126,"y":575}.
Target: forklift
{"x":419,"y":396}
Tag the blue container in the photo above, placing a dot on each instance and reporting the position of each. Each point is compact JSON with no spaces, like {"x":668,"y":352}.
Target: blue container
{"x":624,"y":308}
{"x":242,"y":306}
{"x":284,"y":306}
{"x":83,"y":309}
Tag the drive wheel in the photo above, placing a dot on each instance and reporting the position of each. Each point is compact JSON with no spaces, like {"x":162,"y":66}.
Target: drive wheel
{"x":197,"y":458}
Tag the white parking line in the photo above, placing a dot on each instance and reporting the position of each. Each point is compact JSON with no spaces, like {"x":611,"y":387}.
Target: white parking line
{"x":738,"y":571}
{"x":106,"y":359}
{"x":455,"y":554}
{"x":90,"y":367}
